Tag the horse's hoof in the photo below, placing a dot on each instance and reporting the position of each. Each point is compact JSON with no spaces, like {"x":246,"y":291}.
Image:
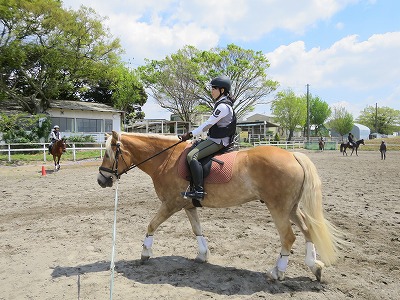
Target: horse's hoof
{"x":275,"y":274}
{"x":146,"y":254}
{"x":317,"y":269}
{"x":143,"y":258}
{"x":202,"y":257}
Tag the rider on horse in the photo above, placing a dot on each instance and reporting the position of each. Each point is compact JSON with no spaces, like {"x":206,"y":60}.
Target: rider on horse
{"x":352,"y":143}
{"x":221,"y":127}
{"x":55,"y":136}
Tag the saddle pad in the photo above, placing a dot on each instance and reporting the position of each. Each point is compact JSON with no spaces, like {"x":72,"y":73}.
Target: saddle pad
{"x":218,"y":173}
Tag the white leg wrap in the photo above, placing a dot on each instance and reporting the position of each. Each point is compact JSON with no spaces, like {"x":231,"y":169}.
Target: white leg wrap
{"x":311,"y":255}
{"x":148,"y":242}
{"x":202,"y":243}
{"x":282,"y":262}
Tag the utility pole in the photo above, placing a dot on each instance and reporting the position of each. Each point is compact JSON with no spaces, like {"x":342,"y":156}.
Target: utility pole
{"x":376,"y":117}
{"x":308,"y":114}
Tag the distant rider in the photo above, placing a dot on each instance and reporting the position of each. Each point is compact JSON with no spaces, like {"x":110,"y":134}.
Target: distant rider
{"x":351,"y":140}
{"x":55,"y":136}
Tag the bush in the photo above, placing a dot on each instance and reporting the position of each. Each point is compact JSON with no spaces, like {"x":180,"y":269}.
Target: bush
{"x":80,"y":140}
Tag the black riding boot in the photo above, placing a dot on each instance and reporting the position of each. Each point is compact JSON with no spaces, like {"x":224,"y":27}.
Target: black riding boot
{"x":196,"y":169}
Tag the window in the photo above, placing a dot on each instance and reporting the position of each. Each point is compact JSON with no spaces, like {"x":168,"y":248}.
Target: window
{"x":66,"y":124}
{"x":88,"y":125}
{"x":108,"y":125}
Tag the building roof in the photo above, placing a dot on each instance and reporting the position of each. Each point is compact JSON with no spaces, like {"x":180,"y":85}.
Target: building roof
{"x":256,"y":123}
{"x":9,"y":106}
{"x":362,"y":127}
{"x":82,"y":105}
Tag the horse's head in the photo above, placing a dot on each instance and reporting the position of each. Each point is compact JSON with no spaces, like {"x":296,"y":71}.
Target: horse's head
{"x":64,"y":144}
{"x":111,"y":166}
{"x":362,"y":142}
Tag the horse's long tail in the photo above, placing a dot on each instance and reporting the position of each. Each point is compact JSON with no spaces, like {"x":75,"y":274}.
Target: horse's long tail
{"x":341,"y":147}
{"x":324,"y":235}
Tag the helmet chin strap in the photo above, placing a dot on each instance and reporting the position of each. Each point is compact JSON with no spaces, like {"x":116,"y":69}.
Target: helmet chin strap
{"x":220,"y":94}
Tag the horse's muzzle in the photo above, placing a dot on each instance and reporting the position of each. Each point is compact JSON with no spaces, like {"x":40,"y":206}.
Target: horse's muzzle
{"x":104,"y":181}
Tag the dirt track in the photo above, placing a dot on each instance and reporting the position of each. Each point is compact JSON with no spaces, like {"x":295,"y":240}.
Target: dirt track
{"x":56,"y":238}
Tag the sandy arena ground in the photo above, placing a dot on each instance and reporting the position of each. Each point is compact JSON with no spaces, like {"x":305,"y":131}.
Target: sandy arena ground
{"x":56,"y":238}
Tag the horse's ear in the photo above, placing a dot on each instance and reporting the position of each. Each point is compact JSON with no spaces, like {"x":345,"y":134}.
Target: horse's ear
{"x":115,"y":135}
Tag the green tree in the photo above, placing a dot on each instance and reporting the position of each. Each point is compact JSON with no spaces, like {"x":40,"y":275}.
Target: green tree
{"x":129,"y":94}
{"x":319,"y":113}
{"x":52,"y":53}
{"x":173,"y":83}
{"x":290,"y":111}
{"x":180,"y":82}
{"x":382,"y":120}
{"x":246,"y":68}
{"x":23,"y":128}
{"x":342,"y":121}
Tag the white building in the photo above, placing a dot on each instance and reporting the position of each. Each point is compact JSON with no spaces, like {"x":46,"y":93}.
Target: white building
{"x":360,"y":132}
{"x":85,"y":118}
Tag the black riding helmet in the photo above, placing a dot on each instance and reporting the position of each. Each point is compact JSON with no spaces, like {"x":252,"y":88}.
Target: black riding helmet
{"x":222,"y":82}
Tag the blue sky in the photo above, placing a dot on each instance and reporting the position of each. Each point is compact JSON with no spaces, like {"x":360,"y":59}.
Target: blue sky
{"x":346,"y":50}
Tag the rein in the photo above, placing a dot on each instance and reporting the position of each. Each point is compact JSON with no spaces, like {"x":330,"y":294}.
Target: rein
{"x":119,"y":153}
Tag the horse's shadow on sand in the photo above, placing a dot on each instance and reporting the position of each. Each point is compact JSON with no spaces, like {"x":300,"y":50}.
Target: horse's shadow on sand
{"x":181,"y":272}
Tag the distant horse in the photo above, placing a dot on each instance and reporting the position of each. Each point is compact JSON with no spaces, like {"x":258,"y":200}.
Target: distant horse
{"x":281,"y":179}
{"x":58,"y":148}
{"x":321,"y":145}
{"x":344,"y":146}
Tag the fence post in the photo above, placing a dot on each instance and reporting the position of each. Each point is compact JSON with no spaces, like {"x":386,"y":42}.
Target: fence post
{"x":101,"y":150}
{"x":73,"y":152}
{"x":9,"y":153}
{"x":44,"y":152}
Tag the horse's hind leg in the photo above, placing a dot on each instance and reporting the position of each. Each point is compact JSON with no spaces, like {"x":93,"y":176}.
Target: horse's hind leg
{"x":203,"y":253}
{"x":311,"y":261}
{"x":163,"y":213}
{"x":287,"y":238}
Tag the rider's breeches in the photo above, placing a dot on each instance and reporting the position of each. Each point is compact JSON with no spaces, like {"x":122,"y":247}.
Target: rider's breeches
{"x":203,"y":149}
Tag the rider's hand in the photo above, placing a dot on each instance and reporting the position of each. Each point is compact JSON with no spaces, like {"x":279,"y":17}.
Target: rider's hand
{"x":186,"y":136}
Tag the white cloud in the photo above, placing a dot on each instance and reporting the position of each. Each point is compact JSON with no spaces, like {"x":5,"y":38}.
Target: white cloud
{"x":351,"y":72}
{"x":347,"y":67}
{"x":154,"y":28}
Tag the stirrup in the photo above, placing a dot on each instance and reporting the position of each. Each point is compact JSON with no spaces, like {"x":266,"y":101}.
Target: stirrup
{"x":193,"y":194}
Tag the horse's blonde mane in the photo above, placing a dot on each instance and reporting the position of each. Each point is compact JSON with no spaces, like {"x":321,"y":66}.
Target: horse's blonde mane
{"x":150,"y":135}
{"x":138,"y":134}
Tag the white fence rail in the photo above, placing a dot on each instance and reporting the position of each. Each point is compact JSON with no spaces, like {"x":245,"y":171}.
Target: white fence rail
{"x":9,"y":149}
{"x":286,"y":145}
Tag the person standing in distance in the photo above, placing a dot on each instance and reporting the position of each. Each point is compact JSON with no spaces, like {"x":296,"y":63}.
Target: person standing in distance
{"x":382,"y":149}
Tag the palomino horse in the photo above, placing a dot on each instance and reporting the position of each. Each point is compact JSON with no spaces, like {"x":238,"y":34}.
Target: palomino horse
{"x":344,"y":146}
{"x":282,"y":180}
{"x":58,"y":148}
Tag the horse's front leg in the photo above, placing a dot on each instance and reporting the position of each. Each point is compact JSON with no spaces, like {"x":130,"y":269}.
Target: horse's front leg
{"x":203,"y":253}
{"x":163,"y":213}
{"x":55,"y":163}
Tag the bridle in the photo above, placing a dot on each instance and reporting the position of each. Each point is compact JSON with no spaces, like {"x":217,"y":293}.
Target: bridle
{"x":118,"y":153}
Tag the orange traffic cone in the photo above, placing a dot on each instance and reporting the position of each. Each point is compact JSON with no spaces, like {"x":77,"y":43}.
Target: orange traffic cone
{"x":43,"y":171}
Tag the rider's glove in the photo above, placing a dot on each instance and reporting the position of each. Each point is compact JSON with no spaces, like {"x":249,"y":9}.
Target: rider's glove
{"x":186,"y":136}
